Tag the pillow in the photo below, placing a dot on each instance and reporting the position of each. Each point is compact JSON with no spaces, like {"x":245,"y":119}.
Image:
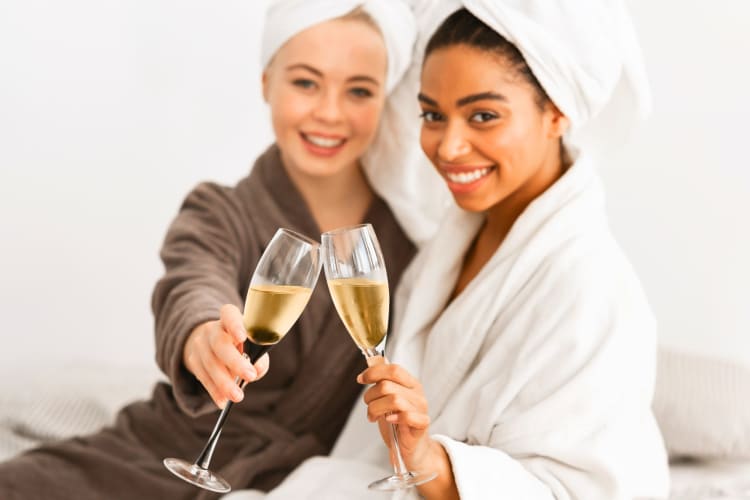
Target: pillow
{"x":63,"y":400}
{"x":702,"y":405}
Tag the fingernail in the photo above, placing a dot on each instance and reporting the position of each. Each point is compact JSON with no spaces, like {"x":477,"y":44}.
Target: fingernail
{"x":250,"y":374}
{"x":360,"y":378}
{"x":238,"y":394}
{"x":391,"y":418}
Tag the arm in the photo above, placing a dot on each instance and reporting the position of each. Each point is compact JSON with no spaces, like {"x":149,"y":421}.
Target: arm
{"x":206,"y":255}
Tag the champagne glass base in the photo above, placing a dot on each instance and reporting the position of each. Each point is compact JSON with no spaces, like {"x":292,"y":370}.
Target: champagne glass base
{"x":402,"y":481}
{"x":193,"y":474}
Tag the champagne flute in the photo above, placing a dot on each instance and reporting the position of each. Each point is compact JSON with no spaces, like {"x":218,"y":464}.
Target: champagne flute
{"x":280,"y":288}
{"x":355,"y":272}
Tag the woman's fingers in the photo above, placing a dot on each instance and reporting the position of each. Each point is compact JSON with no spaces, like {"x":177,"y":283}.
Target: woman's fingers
{"x":390,"y":403}
{"x":392,"y":372}
{"x":205,"y":376}
{"x":395,"y":397}
{"x":220,"y":363}
{"x":412,"y":419}
{"x":231,"y":359}
{"x":387,"y":387}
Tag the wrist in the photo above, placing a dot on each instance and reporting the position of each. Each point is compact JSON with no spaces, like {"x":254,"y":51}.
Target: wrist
{"x":444,"y":485}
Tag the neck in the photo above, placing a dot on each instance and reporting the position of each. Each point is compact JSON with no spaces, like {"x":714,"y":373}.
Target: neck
{"x":337,"y":200}
{"x":501,"y":217}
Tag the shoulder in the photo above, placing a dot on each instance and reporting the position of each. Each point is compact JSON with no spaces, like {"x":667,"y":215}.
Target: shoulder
{"x":590,"y":264}
{"x":588,"y":294}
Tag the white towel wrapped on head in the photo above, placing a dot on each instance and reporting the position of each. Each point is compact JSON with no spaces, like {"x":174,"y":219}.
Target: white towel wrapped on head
{"x":583,"y":52}
{"x":286,"y":18}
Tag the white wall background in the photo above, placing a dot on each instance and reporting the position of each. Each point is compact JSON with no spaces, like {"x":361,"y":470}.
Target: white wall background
{"x":111,"y":110}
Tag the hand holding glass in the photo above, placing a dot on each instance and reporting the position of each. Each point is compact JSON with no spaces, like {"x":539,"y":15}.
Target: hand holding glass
{"x":357,"y":280}
{"x":279,"y":290}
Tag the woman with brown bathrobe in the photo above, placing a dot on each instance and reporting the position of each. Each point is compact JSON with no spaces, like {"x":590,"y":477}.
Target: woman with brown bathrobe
{"x":326,"y":87}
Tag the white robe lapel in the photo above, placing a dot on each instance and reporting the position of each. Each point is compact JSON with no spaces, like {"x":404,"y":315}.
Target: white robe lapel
{"x":429,"y":283}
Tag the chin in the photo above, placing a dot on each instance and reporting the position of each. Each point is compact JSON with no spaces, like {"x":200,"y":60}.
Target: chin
{"x":471,"y":205}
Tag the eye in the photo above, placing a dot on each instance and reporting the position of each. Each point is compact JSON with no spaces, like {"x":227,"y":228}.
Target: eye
{"x":483,"y":117}
{"x":303,"y":83}
{"x":360,"y":92}
{"x":431,"y":116}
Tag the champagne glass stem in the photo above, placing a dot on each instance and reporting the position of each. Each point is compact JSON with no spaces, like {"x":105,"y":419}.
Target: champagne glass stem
{"x":204,"y":459}
{"x":399,"y":467}
{"x":375,"y":357}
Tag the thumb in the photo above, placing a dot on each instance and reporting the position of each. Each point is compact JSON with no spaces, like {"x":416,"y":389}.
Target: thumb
{"x":262,"y":365}
{"x":231,"y":322}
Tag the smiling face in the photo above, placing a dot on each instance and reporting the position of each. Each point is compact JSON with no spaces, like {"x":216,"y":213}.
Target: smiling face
{"x":484,"y":129}
{"x":325,"y":89}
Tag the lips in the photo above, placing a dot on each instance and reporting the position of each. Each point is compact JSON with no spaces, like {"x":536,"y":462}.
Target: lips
{"x":322,"y":144}
{"x":466,"y":178}
{"x":323,"y":141}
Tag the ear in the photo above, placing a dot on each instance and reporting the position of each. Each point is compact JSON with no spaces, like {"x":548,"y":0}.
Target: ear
{"x":559,"y":123}
{"x":264,"y":85}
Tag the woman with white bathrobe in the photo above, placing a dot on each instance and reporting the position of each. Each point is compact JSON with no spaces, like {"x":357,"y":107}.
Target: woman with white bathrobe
{"x":523,"y":347}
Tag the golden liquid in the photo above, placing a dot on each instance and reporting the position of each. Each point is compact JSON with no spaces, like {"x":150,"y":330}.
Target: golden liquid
{"x":271,"y":310}
{"x":362,"y":305}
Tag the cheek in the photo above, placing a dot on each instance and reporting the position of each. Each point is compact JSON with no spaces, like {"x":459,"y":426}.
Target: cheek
{"x":287,"y":110}
{"x":513,"y":145}
{"x":365,"y":119}
{"x":429,"y":140}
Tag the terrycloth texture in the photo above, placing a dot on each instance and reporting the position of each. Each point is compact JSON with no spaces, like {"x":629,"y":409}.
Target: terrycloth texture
{"x":702,"y":405}
{"x":296,"y":411}
{"x":583,"y":52}
{"x":394,"y":164}
{"x":539,"y":375}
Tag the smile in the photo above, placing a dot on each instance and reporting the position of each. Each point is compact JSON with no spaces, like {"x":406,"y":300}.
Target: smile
{"x":323,"y":142}
{"x":467,"y":177}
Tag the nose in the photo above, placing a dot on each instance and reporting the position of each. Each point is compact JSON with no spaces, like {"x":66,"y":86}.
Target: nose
{"x":453,"y":143}
{"x":328,"y":108}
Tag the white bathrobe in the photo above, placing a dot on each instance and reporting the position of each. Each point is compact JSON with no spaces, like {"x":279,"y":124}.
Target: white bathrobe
{"x":539,"y":375}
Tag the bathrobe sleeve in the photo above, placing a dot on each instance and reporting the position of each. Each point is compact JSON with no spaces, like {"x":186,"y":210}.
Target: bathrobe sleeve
{"x":203,"y":260}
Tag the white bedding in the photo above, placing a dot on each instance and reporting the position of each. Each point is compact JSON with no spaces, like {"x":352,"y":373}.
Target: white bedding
{"x":70,"y":400}
{"x":711,"y":479}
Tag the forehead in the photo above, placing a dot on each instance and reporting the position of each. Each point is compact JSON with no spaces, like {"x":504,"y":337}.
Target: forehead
{"x":460,"y":70}
{"x":338,"y":46}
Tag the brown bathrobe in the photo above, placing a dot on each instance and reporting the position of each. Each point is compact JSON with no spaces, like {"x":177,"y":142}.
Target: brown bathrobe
{"x":297,"y":410}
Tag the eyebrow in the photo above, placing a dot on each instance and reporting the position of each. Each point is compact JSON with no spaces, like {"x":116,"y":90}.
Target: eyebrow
{"x":317,"y":72}
{"x":427,"y":100}
{"x":465,"y":100}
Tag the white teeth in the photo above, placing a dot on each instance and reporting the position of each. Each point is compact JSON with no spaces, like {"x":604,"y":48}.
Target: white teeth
{"x":468,"y":177}
{"x":324,"y":142}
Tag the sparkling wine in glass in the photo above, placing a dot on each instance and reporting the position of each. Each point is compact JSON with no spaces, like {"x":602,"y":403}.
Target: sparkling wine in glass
{"x":356,"y":276}
{"x":281,"y":286}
